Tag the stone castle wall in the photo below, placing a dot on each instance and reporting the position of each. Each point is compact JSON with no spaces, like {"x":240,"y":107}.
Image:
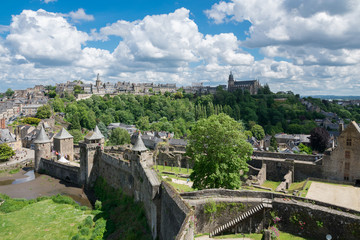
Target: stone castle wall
{"x":136,"y":179}
{"x":320,"y":218}
{"x":61,"y":171}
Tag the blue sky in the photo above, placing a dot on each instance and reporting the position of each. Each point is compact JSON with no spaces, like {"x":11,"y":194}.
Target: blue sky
{"x":306,"y":46}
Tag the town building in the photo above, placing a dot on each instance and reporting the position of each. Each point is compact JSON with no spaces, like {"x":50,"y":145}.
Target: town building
{"x":343,"y":163}
{"x":252,"y":86}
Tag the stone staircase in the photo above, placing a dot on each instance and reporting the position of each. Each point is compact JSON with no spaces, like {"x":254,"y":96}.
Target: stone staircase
{"x":242,"y":217}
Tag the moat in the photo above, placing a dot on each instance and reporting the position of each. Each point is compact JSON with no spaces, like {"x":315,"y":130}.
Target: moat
{"x":29,"y":185}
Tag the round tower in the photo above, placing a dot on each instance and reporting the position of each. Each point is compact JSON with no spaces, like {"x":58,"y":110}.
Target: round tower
{"x":42,"y":148}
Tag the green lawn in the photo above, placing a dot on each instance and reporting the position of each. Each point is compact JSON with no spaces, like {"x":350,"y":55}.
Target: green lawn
{"x":173,"y":169}
{"x":271,"y":184}
{"x":41,"y":220}
{"x":306,"y":189}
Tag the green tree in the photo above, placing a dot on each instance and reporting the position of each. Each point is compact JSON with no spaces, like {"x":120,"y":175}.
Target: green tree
{"x":43,"y":112}
{"x":9,"y":92}
{"x":58,"y":105}
{"x":31,"y":121}
{"x":319,"y":139}
{"x":218,"y":147}
{"x":75,"y":122}
{"x":119,"y":136}
{"x":77,"y":134}
{"x":6,"y":152}
{"x":143,"y":123}
{"x":305,"y":149}
{"x":273,"y":143}
{"x":103,"y":129}
{"x":258,"y":132}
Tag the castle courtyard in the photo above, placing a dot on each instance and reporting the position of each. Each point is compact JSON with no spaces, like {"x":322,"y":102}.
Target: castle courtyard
{"x":341,"y":195}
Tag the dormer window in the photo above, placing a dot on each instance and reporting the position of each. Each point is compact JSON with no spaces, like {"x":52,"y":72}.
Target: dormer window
{"x":348,"y":142}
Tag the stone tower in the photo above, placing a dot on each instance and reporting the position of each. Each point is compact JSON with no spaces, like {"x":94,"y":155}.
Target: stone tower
{"x":231,"y":81}
{"x":90,"y":150}
{"x":42,"y":147}
{"x":140,"y":152}
{"x":98,"y":81}
{"x":64,"y":144}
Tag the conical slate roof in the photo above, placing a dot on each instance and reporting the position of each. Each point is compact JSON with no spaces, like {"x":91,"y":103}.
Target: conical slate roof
{"x":94,"y":135}
{"x":63,"y":134}
{"x":97,"y":131}
{"x":42,"y":137}
{"x":139,"y":144}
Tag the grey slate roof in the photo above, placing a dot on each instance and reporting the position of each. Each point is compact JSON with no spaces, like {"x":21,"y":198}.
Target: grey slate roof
{"x":6,"y":136}
{"x":42,"y":137}
{"x":63,"y":134}
{"x":94,"y":135}
{"x":139,"y":145}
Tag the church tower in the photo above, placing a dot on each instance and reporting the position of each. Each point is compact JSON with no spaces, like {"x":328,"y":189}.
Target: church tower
{"x":98,"y":81}
{"x":231,"y":82}
{"x":42,"y":148}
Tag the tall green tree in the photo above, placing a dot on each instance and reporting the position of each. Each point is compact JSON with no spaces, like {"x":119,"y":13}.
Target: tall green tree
{"x":119,"y":136}
{"x":9,"y":92}
{"x":43,"y":112}
{"x":319,"y":139}
{"x":258,"y":132}
{"x":6,"y":152}
{"x":219,"y":149}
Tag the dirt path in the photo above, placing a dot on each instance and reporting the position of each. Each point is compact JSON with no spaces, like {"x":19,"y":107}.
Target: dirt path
{"x":344,"y":196}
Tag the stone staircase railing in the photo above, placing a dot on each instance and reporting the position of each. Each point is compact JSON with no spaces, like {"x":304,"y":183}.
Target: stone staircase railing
{"x":242,"y":217}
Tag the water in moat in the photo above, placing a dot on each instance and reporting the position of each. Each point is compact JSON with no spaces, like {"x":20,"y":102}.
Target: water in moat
{"x":28,"y":184}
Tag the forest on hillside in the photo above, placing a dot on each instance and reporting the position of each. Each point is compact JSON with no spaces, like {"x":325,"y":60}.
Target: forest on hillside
{"x":177,"y":112}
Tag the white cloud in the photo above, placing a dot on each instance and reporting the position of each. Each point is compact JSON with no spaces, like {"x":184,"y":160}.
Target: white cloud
{"x":48,"y":1}
{"x":80,"y":15}
{"x":296,"y":25}
{"x":44,"y":47}
{"x":45,"y":38}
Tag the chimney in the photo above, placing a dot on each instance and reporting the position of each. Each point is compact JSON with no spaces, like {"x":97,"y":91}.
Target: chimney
{"x":341,"y":128}
{"x":2,"y":123}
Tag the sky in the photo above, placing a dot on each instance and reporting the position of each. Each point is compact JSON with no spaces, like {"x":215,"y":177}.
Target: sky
{"x":310,"y":47}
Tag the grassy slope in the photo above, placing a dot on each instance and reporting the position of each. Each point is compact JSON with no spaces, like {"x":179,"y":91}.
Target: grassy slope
{"x":41,"y":220}
{"x":255,"y":236}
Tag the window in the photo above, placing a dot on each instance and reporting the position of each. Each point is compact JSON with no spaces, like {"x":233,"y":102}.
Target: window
{"x":347,"y":154}
{"x":348,"y":142}
{"x":346,"y":177}
{"x":347,"y":166}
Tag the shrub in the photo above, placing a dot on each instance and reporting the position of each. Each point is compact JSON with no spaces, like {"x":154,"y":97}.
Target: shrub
{"x":98,"y":205}
{"x":76,"y":237}
{"x":63,"y":199}
{"x":88,"y":222}
{"x":84,"y":231}
{"x":99,"y":230}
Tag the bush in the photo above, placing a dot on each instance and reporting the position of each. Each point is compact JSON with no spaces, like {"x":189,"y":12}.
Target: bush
{"x":98,"y":205}
{"x":63,"y":199}
{"x":76,"y":237}
{"x":88,"y":222}
{"x":84,"y":231}
{"x":100,"y":226}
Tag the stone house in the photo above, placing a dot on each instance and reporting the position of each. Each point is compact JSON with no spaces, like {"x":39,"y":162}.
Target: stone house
{"x":343,"y":163}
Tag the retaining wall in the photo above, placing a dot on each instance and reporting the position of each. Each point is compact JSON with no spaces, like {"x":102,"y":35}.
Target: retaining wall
{"x":64,"y":172}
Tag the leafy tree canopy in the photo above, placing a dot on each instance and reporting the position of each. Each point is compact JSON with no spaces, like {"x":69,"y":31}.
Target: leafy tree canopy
{"x":218,"y":147}
{"x":119,"y":136}
{"x":6,"y":152}
{"x":9,"y":92}
{"x":31,"y":121}
{"x":258,"y":132}
{"x":43,"y":112}
{"x":319,"y":139}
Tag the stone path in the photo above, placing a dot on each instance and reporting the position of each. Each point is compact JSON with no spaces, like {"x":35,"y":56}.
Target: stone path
{"x":341,"y":195}
{"x":179,"y":181}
